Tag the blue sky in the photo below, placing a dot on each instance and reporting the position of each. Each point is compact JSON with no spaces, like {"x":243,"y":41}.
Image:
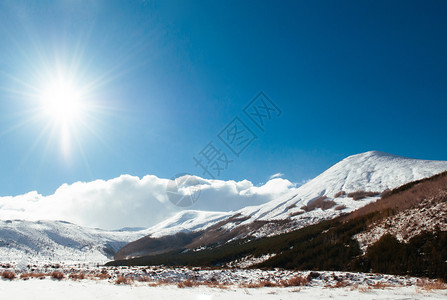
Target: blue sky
{"x":167,"y":77}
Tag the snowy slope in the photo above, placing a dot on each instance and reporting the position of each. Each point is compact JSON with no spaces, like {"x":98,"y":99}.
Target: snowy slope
{"x":58,"y":241}
{"x":188,"y":220}
{"x":370,"y":171}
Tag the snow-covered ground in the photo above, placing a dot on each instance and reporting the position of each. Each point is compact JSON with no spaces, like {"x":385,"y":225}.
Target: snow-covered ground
{"x":49,"y":289}
{"x":225,"y":276}
{"x":163,"y":283}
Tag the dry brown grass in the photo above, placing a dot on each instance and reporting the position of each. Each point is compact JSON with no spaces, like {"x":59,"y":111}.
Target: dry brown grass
{"x":144,"y":279}
{"x":187,"y":283}
{"x":57,"y":275}
{"x":295,"y":281}
{"x":340,"y":207}
{"x":291,"y":206}
{"x":296,"y":213}
{"x":214,"y":284}
{"x":153,"y":284}
{"x":380,"y":285}
{"x":266,"y":283}
{"x":26,"y":276}
{"x":123,"y":280}
{"x":191,"y":283}
{"x":321,"y":202}
{"x":359,"y":195}
{"x":362,"y":289}
{"x":340,"y":284}
{"x":102,"y":276}
{"x":8,"y":275}
{"x":252,"y":285}
{"x":76,"y":276}
{"x":339,"y":194}
{"x":429,"y":285}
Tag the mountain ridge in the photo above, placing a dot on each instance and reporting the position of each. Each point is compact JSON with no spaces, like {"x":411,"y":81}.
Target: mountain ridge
{"x":59,"y":241}
{"x":317,"y":187}
{"x":346,"y":186}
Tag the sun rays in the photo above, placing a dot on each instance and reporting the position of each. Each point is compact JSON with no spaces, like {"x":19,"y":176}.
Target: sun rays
{"x":62,"y":103}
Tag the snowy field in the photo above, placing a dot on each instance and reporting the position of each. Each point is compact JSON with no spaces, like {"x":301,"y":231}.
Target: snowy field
{"x":87,"y":282}
{"x":88,"y":289}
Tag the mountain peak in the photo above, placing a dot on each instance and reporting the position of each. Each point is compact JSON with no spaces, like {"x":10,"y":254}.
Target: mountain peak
{"x":374,"y":154}
{"x":374,"y":171}
{"x":371,"y":171}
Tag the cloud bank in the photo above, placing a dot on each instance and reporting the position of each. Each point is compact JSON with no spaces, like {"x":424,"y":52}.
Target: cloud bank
{"x":128,"y":201}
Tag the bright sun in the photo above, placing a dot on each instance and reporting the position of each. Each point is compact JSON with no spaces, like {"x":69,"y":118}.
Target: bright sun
{"x":63,"y":104}
{"x":66,"y":104}
{"x":62,"y":101}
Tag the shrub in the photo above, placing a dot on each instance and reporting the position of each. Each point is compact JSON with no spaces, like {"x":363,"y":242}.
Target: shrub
{"x":186,"y":283}
{"x":340,"y":207}
{"x":359,"y":195}
{"x":75,"y":276}
{"x":103,"y":276}
{"x":57,"y":275}
{"x":313,"y":275}
{"x":144,"y":279}
{"x":380,"y":285}
{"x":340,"y":284}
{"x":339,"y":194}
{"x":260,"y":284}
{"x":321,"y":202}
{"x":296,"y":213}
{"x":295,"y":281}
{"x":214,"y":284}
{"x":267,"y":283}
{"x":26,"y":276}
{"x":428,"y":285}
{"x":8,"y":275}
{"x":122,"y":280}
{"x":291,"y":206}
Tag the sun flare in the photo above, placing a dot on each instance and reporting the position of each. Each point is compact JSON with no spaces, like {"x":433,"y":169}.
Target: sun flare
{"x":63,"y":105}
{"x":62,"y":101}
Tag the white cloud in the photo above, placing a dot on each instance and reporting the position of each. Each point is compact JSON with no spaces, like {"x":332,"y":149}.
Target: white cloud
{"x":130,"y":201}
{"x":277,"y":175}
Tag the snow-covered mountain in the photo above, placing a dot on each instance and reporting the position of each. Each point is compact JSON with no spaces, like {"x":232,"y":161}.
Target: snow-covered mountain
{"x":325,"y":197}
{"x":58,"y":241}
{"x":371,"y":171}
